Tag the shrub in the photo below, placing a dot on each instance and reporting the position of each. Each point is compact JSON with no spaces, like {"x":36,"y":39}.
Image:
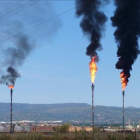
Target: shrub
{"x":5,"y":137}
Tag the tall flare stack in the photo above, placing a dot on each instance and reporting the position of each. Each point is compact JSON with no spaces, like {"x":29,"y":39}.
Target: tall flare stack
{"x":93,"y":70}
{"x":11,"y":115}
{"x":92,"y":24}
{"x":123,"y":109}
{"x":124,"y":84}
{"x":126,"y":19}
{"x":92,"y":86}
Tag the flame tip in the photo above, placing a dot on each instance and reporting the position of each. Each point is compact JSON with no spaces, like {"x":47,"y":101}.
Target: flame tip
{"x":11,"y":86}
{"x":93,"y":68}
{"x":124,"y":80}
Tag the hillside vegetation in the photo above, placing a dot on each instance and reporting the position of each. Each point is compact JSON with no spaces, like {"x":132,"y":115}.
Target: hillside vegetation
{"x":69,"y":112}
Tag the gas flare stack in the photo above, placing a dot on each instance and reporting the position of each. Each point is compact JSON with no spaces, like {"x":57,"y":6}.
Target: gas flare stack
{"x":11,"y":115}
{"x":124,"y":81}
{"x":123,"y":108}
{"x":92,"y":107}
{"x":93,"y":70}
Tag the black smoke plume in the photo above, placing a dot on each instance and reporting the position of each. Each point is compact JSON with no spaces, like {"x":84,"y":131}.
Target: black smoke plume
{"x":15,"y":50}
{"x":10,"y":78}
{"x":15,"y":57}
{"x":92,"y":23}
{"x":16,"y":54}
{"x":127,"y":21}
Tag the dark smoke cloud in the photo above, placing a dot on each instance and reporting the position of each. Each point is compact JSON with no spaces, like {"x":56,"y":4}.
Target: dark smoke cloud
{"x":15,"y":55}
{"x":22,"y":48}
{"x":10,"y":77}
{"x":92,"y":23}
{"x":127,"y":21}
{"x":15,"y":51}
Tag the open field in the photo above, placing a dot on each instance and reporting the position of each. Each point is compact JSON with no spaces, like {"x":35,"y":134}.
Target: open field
{"x":68,"y":136}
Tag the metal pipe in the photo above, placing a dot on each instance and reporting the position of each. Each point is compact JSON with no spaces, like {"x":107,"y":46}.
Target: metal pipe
{"x":92,"y":111}
{"x":11,"y":127}
{"x":123,"y":110}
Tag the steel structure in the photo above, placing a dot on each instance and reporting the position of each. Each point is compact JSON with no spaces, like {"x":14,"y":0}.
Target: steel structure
{"x":123,"y":110}
{"x":11,"y":125}
{"x":92,"y":111}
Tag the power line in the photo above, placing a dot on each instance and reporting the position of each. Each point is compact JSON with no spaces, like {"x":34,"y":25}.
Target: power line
{"x":42,"y":23}
{"x":37,"y":25}
{"x":15,"y":9}
{"x":20,"y":10}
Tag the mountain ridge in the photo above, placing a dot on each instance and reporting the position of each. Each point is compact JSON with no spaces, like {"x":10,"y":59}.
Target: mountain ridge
{"x":68,"y":112}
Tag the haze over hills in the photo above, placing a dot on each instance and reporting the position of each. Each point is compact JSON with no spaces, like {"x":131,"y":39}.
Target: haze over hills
{"x":68,"y":112}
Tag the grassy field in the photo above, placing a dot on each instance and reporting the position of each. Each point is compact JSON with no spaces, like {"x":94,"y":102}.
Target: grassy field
{"x":64,"y":136}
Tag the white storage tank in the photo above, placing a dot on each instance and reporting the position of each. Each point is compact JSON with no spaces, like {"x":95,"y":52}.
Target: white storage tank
{"x":2,"y":128}
{"x":18,"y":129}
{"x":26,"y":127}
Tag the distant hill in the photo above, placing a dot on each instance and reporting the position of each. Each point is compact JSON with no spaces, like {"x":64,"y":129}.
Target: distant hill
{"x":68,"y":112}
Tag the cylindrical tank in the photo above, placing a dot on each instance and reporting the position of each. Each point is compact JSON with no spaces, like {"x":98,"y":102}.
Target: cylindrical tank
{"x":2,"y":128}
{"x":18,"y":129}
{"x":27,"y":128}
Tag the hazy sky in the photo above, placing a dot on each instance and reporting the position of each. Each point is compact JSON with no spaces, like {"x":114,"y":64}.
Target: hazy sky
{"x":57,"y":69}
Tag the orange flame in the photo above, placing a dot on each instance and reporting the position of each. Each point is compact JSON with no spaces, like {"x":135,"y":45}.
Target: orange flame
{"x":11,"y":86}
{"x":93,"y":69}
{"x":123,"y":80}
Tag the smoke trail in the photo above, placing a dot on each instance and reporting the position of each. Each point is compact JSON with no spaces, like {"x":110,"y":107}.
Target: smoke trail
{"x":92,"y":23}
{"x":15,"y":51}
{"x":10,"y":77}
{"x":15,"y":57}
{"x":127,"y":21}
